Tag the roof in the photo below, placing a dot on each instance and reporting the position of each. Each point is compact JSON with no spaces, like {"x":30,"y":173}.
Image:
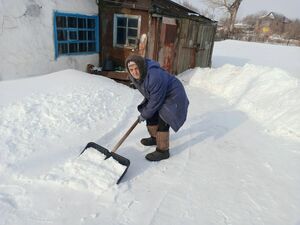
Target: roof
{"x":276,"y":16}
{"x":173,"y":9}
{"x":160,"y":7}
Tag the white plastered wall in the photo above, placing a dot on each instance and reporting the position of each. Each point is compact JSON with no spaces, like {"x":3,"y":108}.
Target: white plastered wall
{"x":27,"y":39}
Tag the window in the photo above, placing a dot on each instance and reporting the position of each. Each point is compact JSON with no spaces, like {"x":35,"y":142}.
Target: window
{"x":126,"y":30}
{"x":75,"y":34}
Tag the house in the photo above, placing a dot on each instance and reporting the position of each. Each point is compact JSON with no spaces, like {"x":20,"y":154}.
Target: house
{"x":177,"y":37}
{"x":271,"y":23}
{"x":47,"y":36}
{"x":40,"y":37}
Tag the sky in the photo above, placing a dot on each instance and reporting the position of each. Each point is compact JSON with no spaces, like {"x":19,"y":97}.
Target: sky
{"x":235,"y":160}
{"x":289,"y":8}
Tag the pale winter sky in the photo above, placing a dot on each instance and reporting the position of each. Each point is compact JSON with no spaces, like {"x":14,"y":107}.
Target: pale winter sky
{"x":289,"y":8}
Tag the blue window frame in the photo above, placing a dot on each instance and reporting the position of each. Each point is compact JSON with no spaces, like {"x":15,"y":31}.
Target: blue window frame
{"x":75,"y":34}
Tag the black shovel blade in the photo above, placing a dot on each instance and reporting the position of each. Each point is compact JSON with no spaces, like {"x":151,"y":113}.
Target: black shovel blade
{"x":120,"y":159}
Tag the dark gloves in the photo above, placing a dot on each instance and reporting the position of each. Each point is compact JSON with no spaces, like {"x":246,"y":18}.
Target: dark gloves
{"x":141,"y":118}
{"x":142,"y":105}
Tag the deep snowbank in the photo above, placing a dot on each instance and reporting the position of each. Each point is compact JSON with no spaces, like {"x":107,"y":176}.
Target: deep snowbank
{"x":268,"y":95}
{"x":240,"y":53}
{"x":51,"y":110}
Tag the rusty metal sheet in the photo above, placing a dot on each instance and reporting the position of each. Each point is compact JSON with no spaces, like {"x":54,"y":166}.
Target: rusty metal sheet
{"x":166,"y":43}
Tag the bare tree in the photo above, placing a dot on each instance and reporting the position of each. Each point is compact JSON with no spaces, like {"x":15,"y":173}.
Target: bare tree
{"x":231,"y":7}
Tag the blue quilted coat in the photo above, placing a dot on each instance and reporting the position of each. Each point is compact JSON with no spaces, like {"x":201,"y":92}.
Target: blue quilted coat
{"x":164,"y":94}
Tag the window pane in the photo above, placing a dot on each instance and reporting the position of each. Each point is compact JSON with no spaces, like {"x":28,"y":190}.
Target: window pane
{"x":132,"y":22}
{"x":91,"y":35}
{"x":75,"y":34}
{"x":82,"y":35}
{"x":92,"y":47}
{"x":72,"y":22}
{"x":62,"y":49}
{"x":121,"y":36}
{"x":121,"y":22}
{"x":132,"y":41}
{"x":72,"y":35}
{"x":132,"y":32}
{"x":73,"y":47}
{"x":81,"y":23}
{"x":91,"y":23}
{"x":61,"y":21}
{"x":82,"y":47}
{"x":62,"y":35}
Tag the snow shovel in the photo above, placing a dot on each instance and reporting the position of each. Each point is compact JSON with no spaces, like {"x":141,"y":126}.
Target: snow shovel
{"x":120,"y":159}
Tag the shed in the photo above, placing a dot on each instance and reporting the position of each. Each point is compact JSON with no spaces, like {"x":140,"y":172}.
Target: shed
{"x":175,"y":36}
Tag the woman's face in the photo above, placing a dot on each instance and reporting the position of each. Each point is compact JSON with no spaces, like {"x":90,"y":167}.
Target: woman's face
{"x":134,"y":71}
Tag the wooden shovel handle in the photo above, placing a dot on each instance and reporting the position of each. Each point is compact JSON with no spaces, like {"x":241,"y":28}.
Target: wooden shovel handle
{"x":125,"y":135}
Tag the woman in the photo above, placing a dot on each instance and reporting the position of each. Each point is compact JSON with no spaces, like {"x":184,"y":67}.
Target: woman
{"x":165,"y":104}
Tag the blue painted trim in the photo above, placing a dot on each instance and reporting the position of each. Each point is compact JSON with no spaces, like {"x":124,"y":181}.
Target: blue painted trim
{"x":55,"y":35}
{"x":97,"y":34}
{"x":68,"y":41}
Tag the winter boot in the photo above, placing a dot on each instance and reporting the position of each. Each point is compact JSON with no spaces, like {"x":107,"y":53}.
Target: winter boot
{"x":162,"y":150}
{"x":152,"y":139}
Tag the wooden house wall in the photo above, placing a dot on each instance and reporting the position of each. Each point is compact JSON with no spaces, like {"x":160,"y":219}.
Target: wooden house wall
{"x":206,"y":36}
{"x":108,"y":51}
{"x":195,"y":45}
{"x":177,"y":47}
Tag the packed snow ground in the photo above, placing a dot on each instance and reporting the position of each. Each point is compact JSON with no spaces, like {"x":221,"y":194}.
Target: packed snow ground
{"x":235,"y":161}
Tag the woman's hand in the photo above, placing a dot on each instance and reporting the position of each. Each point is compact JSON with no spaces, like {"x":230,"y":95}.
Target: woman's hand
{"x":141,"y":118}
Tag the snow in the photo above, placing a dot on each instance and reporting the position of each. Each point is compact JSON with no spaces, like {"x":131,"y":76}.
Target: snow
{"x":235,"y":160}
{"x":89,"y":171}
{"x":252,"y":89}
{"x":279,"y":56}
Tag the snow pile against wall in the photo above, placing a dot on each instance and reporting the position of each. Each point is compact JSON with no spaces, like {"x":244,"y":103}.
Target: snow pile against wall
{"x":269,"y":95}
{"x":27,"y":39}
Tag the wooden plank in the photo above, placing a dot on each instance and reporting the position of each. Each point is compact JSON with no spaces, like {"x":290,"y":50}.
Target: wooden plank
{"x":115,"y":75}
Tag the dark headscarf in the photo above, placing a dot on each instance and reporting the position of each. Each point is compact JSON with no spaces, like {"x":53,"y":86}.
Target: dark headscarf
{"x":140,"y":62}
